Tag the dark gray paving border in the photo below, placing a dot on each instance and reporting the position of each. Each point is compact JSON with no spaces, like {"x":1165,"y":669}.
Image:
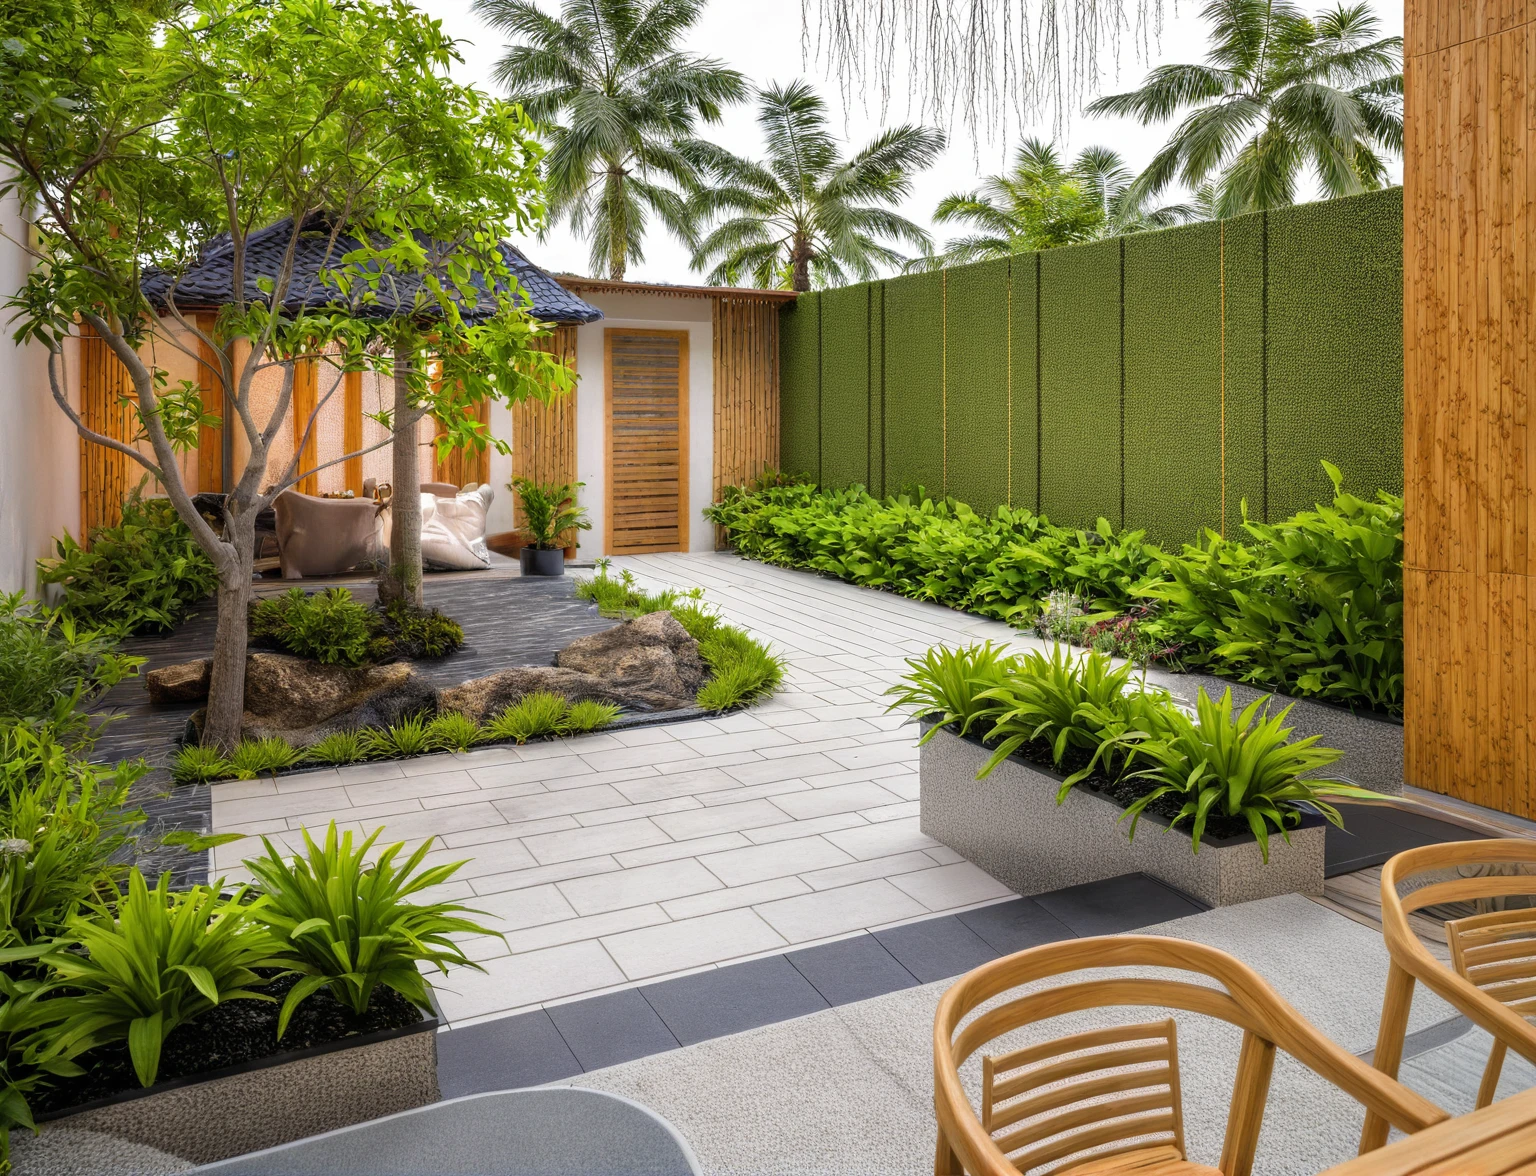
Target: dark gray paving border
{"x":548,"y":1045}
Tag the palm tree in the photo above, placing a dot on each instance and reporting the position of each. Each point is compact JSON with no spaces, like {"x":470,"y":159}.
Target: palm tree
{"x":806,"y":215}
{"x":1042,"y":202}
{"x":629,"y":100}
{"x":1281,"y":93}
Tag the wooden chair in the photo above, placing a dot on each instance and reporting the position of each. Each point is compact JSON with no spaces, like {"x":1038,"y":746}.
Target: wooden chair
{"x":1492,"y":979}
{"x":1045,"y":1105}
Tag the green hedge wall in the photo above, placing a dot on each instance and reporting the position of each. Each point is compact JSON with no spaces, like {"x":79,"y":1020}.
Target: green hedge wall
{"x":1160,"y":380}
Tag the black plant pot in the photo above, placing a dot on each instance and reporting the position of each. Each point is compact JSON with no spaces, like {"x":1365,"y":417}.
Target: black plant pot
{"x":542,"y":561}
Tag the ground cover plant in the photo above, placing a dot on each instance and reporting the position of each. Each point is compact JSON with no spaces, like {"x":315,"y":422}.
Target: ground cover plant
{"x":332,"y":627}
{"x":1099,"y":727}
{"x":1311,"y":606}
{"x":142,"y":575}
{"x":52,"y":663}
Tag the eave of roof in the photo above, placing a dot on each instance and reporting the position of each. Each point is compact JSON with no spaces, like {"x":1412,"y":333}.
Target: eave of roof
{"x":579,"y":284}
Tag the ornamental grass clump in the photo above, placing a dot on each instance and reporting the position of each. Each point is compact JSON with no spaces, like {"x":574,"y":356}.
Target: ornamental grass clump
{"x":406,"y":738}
{"x":588,"y":715}
{"x":338,"y":748}
{"x":453,"y":732}
{"x":346,"y":923}
{"x":263,"y":757}
{"x":535,"y":715}
{"x":200,"y":765}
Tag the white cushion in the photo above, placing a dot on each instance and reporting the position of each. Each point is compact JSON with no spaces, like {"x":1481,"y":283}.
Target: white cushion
{"x":453,"y":530}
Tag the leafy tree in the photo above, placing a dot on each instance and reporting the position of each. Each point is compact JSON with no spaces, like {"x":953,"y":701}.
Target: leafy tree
{"x":1042,"y":203}
{"x":621,"y":102}
{"x":146,"y":139}
{"x":1281,"y":93}
{"x":805,"y":214}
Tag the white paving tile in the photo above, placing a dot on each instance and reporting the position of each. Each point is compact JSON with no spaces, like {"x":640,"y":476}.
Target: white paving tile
{"x":834,"y":912}
{"x":946,"y":887}
{"x":689,"y":942}
{"x":737,"y":867}
{"x":590,"y":842}
{"x":843,"y":798}
{"x":882,"y":840}
{"x":525,"y":908}
{"x":734,"y":896}
{"x":722,"y":818}
{"x":881,"y":867}
{"x":516,"y":981}
{"x":671,"y":850}
{"x":656,"y":883}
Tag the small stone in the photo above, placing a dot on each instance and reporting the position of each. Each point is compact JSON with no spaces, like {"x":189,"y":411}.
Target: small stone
{"x":183,"y":682}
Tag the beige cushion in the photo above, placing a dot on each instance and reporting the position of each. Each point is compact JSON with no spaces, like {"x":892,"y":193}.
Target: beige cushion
{"x":453,"y":529}
{"x":324,"y":536}
{"x":439,"y":489}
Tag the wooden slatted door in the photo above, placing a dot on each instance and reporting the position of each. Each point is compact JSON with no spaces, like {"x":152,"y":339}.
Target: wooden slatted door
{"x":647,"y":386}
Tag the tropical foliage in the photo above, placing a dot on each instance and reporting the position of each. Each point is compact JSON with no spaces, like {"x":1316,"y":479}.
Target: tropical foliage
{"x":1042,"y":202}
{"x":1311,"y":605}
{"x":1281,"y":94}
{"x":805,"y":215}
{"x":333,"y":628}
{"x":621,"y":102}
{"x":550,"y":511}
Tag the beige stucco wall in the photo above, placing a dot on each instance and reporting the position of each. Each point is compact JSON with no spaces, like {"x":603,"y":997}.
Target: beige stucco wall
{"x":39,"y":450}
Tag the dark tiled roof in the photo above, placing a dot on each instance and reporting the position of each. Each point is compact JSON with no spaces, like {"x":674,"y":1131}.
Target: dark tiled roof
{"x":210,"y":282}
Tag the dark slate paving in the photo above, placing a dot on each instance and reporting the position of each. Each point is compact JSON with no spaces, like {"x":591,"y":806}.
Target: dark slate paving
{"x":1007,"y":927}
{"x":851,"y":969}
{"x":1117,"y":904}
{"x":504,"y":1054}
{"x":733,"y":999}
{"x":936,"y":949}
{"x":1373,"y":833}
{"x":607,"y":1030}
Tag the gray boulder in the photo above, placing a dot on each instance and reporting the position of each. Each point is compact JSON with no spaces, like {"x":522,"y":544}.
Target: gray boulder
{"x":651,"y":660}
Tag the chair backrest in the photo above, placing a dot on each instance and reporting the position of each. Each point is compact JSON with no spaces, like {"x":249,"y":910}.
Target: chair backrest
{"x":1496,"y":952}
{"x":1497,"y":863}
{"x":1033,"y":1112}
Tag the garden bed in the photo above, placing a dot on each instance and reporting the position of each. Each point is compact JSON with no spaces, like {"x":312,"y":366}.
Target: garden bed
{"x":1010,"y":825}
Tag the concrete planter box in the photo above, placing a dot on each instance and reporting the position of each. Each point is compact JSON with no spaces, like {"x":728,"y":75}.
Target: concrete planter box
{"x":224,"y":1113}
{"x":1010,"y":825}
{"x":1372,"y":745}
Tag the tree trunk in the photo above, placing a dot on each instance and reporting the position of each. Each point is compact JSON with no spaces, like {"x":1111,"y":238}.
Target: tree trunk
{"x":801,"y":260}
{"x":226,"y":688}
{"x":618,"y":226}
{"x":402,"y":579}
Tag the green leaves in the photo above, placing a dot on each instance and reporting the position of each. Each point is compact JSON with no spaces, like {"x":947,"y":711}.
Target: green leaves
{"x":951,"y":687}
{"x":550,"y":511}
{"x":347,"y":922}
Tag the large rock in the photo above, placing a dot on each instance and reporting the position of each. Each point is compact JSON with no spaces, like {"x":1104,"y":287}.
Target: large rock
{"x":183,"y":682}
{"x":485,"y":698}
{"x":652,"y":660}
{"x":303,"y":701}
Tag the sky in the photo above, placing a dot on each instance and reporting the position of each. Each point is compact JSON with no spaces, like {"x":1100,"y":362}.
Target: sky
{"x":762,"y":38}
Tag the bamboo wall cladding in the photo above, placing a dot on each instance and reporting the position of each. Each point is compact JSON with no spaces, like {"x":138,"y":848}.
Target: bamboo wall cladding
{"x":1469,"y":180}
{"x":544,"y":435}
{"x":647,"y":444}
{"x":746,"y":357}
{"x":306,"y":380}
{"x":105,"y":476}
{"x":210,"y":440}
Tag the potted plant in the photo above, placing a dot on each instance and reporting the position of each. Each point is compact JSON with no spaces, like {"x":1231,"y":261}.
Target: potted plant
{"x":549,"y":511}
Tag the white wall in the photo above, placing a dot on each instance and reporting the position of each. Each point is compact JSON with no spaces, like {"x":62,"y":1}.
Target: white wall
{"x":39,"y":449}
{"x":653,"y":312}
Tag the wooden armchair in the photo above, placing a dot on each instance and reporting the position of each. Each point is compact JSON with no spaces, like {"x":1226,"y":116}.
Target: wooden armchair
{"x":1036,"y":1112}
{"x":1492,"y":979}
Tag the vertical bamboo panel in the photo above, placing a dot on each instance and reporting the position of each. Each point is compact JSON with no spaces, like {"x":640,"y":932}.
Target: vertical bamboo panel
{"x":352,"y":429}
{"x":746,"y":371}
{"x":1469,"y":282}
{"x":105,"y":407}
{"x":210,"y":439}
{"x":544,"y":435}
{"x":302,"y":407}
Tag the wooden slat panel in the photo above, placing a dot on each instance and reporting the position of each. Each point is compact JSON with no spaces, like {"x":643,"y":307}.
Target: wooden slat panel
{"x":305,"y":380}
{"x":1469,"y":285}
{"x":210,"y":441}
{"x":746,"y":392}
{"x":646,"y":382}
{"x":544,"y":435}
{"x":352,"y":429}
{"x":105,"y":476}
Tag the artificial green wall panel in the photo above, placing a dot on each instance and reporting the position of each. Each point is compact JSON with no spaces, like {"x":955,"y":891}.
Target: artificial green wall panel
{"x":845,"y":387}
{"x":800,"y":386}
{"x":1024,"y":433}
{"x":1243,"y":258}
{"x":1080,"y":383}
{"x":1173,"y":388}
{"x":1335,"y":348}
{"x":876,"y":443}
{"x":976,"y":382}
{"x":914,"y":389}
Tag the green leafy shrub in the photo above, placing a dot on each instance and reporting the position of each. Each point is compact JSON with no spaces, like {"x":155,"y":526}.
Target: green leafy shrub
{"x":328,"y":626}
{"x":49,"y":659}
{"x":403,"y":631}
{"x":199,"y":765}
{"x":34,"y":1050}
{"x":339,"y":747}
{"x":453,"y":732}
{"x":157,"y":960}
{"x":255,"y":757}
{"x":1243,"y":768}
{"x":588,"y":715}
{"x":406,"y":738}
{"x":534,"y":715}
{"x":141,"y":575}
{"x":949,"y":686}
{"x":549,"y":511}
{"x":347,"y":925}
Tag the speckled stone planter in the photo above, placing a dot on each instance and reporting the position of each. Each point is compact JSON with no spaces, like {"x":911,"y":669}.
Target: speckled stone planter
{"x":1010,"y":825}
{"x":275,"y":1100}
{"x":1372,"y":745}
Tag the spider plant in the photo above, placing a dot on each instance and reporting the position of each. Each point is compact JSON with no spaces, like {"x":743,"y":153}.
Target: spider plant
{"x":1242,"y":766}
{"x":947,"y":685}
{"x":348,"y":924}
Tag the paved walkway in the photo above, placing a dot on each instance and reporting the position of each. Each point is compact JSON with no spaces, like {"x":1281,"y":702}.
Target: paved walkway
{"x":627,"y":857}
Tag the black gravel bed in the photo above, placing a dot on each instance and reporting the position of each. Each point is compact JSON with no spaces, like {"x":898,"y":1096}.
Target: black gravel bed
{"x":229,"y":1034}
